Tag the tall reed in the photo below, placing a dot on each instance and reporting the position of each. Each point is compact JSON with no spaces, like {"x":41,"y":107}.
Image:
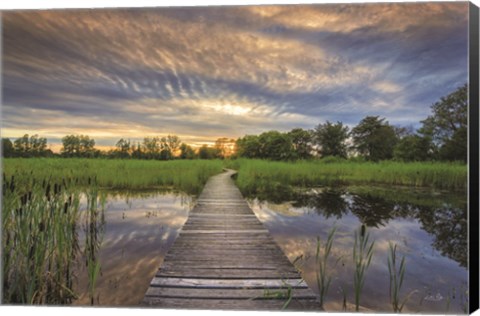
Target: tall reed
{"x":39,"y":241}
{"x":257,"y":175}
{"x":94,"y":228}
{"x":322,"y":275}
{"x":362,"y":256}
{"x":396,"y":279}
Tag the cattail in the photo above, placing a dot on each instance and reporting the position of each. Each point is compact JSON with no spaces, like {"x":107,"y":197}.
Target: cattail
{"x":362,"y":233}
{"x":23,"y":199}
{"x":29,"y":195}
{"x":55,"y":189}
{"x":12,"y":184}
{"x":47,"y":193}
{"x":41,"y":226}
{"x":89,"y":180}
{"x":65,"y":208}
{"x":70,"y":200}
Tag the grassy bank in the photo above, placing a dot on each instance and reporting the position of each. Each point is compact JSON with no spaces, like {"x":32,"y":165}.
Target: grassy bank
{"x":188,"y":176}
{"x":41,"y":218}
{"x":257,"y":176}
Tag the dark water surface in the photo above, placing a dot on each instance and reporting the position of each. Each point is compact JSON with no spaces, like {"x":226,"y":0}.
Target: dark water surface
{"x":429,"y":229}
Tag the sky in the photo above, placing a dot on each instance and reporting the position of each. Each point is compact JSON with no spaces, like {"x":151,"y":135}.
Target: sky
{"x":208,"y":72}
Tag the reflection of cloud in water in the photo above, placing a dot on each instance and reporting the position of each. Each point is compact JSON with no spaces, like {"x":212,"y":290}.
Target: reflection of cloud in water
{"x":138,"y":233}
{"x":428,"y":271}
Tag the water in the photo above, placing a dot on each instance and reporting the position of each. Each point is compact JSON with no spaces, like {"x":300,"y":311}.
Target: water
{"x":139,"y":228}
{"x":429,"y":228}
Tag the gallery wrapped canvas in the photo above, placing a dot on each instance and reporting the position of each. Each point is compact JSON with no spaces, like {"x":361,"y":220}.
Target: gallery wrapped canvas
{"x":282,"y":157}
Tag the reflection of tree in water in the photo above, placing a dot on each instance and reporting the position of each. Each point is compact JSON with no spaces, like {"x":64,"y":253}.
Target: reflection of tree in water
{"x":371,"y":210}
{"x":449,"y":226}
{"x":328,"y":202}
{"x":447,"y":223}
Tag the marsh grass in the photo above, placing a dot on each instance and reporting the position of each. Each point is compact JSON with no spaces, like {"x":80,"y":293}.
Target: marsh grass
{"x":40,"y":242}
{"x":187,"y":176}
{"x":321,"y":258}
{"x":94,"y":229}
{"x":41,"y":218}
{"x":362,"y":256}
{"x":396,"y":279}
{"x":260,"y":176}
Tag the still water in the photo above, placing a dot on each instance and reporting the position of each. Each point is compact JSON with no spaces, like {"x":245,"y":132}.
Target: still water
{"x":429,"y":229}
{"x":138,"y":230}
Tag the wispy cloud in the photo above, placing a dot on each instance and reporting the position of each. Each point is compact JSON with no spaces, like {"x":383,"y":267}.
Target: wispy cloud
{"x":203,"y":73}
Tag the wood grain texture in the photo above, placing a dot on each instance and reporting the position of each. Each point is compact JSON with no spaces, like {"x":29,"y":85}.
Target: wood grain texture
{"x":224,"y":258}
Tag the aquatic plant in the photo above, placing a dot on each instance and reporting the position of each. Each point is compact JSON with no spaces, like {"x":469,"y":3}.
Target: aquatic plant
{"x":39,"y":241}
{"x":362,"y":256}
{"x":396,"y":279}
{"x":322,"y":275}
{"x":188,"y":176}
{"x":258,"y":176}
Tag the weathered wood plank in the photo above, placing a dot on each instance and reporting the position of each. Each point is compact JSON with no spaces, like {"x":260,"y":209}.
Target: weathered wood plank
{"x":195,"y":292}
{"x":224,"y":258}
{"x":231,"y":283}
{"x":220,"y":273}
{"x":226,"y":304}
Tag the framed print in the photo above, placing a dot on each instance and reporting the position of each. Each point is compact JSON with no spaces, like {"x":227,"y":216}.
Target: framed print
{"x":316,"y":157}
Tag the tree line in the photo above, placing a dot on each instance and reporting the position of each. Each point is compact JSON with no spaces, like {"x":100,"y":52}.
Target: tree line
{"x":442,"y":136}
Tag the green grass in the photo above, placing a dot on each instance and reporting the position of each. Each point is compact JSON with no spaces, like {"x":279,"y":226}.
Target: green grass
{"x":258,"y":176}
{"x":188,"y":176}
{"x":41,"y":217}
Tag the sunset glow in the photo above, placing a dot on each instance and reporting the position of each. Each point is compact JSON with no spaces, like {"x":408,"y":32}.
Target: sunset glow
{"x":208,"y":72}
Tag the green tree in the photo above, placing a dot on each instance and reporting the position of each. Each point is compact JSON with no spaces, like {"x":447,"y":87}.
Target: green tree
{"x":33,"y":146}
{"x":331,"y":139}
{"x":137,"y":152}
{"x":151,"y":147}
{"x":248,"y":146}
{"x":275,"y":146}
{"x":78,"y":146}
{"x":70,"y":146}
{"x":86,"y":146}
{"x":169,"y":146}
{"x":374,"y":138}
{"x":123,"y":148}
{"x":22,"y":146}
{"x":224,"y":147}
{"x":413,"y":148}
{"x":302,"y":142}
{"x":38,"y":145}
{"x":186,"y":152}
{"x":206,"y":152}
{"x":7,"y":148}
{"x":448,"y":125}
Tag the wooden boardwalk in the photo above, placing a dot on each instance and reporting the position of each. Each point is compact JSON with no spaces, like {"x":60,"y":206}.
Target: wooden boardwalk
{"x":224,"y":258}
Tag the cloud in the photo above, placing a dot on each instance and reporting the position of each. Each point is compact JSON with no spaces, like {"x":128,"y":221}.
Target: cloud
{"x":203,"y":73}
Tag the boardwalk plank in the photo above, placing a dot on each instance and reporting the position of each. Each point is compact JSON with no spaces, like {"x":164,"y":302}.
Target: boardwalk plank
{"x":224,"y":258}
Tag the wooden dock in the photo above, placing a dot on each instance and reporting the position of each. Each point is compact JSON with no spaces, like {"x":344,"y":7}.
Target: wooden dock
{"x":224,"y":258}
